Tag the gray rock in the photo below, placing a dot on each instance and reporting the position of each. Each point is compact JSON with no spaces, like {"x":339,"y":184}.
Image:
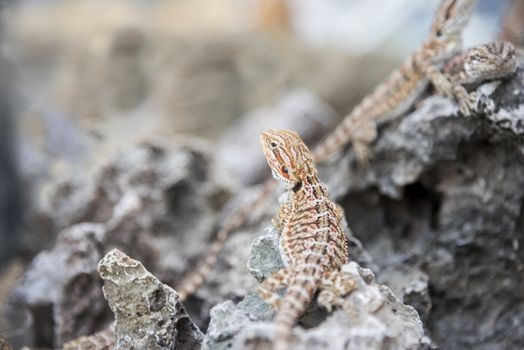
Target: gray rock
{"x":443,"y":195}
{"x":265,"y":256}
{"x":372,"y":318}
{"x":154,"y":201}
{"x":439,"y":210}
{"x":61,"y":287}
{"x":228,"y":319}
{"x":148,"y":314}
{"x":410,"y":285}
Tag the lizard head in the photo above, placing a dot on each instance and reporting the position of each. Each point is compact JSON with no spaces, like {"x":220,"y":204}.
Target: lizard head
{"x":286,"y":155}
{"x":485,"y":62}
{"x":490,"y":61}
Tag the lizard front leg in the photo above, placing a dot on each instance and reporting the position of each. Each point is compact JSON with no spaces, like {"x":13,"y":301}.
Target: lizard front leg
{"x":283,"y":213}
{"x":268,"y":290}
{"x":444,"y":86}
{"x":362,"y":131}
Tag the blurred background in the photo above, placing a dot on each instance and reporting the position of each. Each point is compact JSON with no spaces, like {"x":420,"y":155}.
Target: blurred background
{"x":83,"y":80}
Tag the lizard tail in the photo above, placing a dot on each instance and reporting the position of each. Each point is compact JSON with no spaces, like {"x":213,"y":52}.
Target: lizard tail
{"x":343,"y":133}
{"x":233,"y":222}
{"x":298,"y":295}
{"x":103,"y":340}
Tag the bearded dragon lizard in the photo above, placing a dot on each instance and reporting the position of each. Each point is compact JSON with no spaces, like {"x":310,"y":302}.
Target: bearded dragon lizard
{"x":395,"y":95}
{"x":391,"y":99}
{"x":312,"y":239}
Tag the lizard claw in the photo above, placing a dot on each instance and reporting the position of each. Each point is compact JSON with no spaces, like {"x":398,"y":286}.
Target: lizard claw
{"x":327,"y":300}
{"x":467,"y":101}
{"x":363,"y":153}
{"x":468,"y":105}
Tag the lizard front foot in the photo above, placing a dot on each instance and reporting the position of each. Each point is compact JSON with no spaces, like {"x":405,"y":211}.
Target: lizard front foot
{"x":363,"y":153}
{"x":467,"y":101}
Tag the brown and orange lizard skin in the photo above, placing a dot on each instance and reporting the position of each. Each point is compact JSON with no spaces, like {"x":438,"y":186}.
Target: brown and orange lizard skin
{"x":103,"y":340}
{"x":312,"y":239}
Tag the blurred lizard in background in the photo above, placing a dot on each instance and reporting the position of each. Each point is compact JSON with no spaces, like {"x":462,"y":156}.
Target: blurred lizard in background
{"x":396,"y":95}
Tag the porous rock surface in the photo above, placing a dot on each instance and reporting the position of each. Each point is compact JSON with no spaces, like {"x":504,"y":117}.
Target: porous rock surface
{"x":154,"y":201}
{"x":148,"y":314}
{"x":440,"y":209}
{"x":372,"y":317}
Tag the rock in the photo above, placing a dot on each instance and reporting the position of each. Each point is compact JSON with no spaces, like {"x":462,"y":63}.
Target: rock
{"x":438,"y":209}
{"x":410,"y":285}
{"x":227,"y":319}
{"x":148,"y":314}
{"x":373,"y":318}
{"x":443,"y":195}
{"x":154,"y":201}
{"x":61,"y":287}
{"x":265,"y":256}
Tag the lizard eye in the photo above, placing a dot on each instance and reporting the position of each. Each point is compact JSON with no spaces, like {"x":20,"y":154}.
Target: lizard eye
{"x":285,"y":170}
{"x":273,"y":144}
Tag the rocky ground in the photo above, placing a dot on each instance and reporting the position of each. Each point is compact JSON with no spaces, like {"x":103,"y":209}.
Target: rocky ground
{"x":437,"y":221}
{"x":437,"y":216}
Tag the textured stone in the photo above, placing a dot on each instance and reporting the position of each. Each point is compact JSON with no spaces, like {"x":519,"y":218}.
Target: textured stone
{"x":154,"y":201}
{"x":227,"y":319}
{"x":439,"y":210}
{"x":61,"y":286}
{"x":148,"y":314}
{"x":443,"y":195}
{"x":372,"y":318}
{"x":265,"y":256}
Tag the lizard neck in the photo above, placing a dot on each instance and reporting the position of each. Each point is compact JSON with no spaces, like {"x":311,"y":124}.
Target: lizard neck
{"x":438,"y":50}
{"x":310,"y":188}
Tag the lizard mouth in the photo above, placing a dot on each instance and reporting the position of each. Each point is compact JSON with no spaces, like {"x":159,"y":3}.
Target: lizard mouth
{"x":279,"y":177}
